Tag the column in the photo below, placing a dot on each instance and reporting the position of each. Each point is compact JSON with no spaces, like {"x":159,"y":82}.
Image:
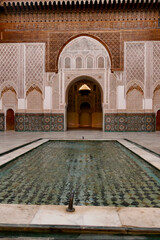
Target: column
{"x":47,"y":104}
{"x":21,"y":104}
{"x":121,"y":102}
{"x":148,"y":77}
{"x":0,"y":104}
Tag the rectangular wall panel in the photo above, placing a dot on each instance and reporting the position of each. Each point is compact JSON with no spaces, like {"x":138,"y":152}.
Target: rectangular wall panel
{"x":39,"y":122}
{"x":129,"y":122}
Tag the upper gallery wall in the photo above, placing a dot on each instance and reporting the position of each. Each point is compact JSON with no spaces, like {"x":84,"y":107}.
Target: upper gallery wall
{"x":33,"y":37}
{"x":58,"y":22}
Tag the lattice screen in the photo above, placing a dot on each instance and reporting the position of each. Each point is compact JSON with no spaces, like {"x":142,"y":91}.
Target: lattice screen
{"x":8,"y":63}
{"x":134,"y":62}
{"x":34,"y":64}
{"x":156,"y":62}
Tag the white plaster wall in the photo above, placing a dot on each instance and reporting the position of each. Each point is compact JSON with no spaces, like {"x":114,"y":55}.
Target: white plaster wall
{"x":148,"y":104}
{"x":121,"y":102}
{"x":21,"y":103}
{"x":48,"y":98}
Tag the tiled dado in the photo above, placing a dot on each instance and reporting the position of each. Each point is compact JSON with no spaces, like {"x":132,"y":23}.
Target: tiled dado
{"x":1,"y":122}
{"x":129,"y":122}
{"x":39,"y":122}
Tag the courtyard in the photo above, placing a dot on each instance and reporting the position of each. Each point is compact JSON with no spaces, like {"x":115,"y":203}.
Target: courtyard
{"x":88,"y":218}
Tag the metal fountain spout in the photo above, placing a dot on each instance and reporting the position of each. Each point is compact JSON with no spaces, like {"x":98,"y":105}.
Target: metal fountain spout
{"x":70,"y":205}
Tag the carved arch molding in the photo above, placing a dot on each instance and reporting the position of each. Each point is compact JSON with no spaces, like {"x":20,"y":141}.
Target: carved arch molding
{"x":56,"y":42}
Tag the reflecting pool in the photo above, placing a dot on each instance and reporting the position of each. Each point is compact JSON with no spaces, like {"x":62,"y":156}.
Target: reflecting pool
{"x":102,"y":173}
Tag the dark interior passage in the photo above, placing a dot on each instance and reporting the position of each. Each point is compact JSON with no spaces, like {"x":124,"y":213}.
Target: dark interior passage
{"x":10,"y":119}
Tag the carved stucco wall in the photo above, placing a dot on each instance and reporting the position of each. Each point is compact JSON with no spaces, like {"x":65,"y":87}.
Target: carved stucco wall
{"x":141,"y":67}
{"x":21,"y":67}
{"x":95,"y":64}
{"x":134,"y":63}
{"x":34,"y":65}
{"x":58,"y":40}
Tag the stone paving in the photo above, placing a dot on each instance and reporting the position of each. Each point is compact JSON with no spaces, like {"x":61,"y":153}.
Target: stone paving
{"x":11,"y":139}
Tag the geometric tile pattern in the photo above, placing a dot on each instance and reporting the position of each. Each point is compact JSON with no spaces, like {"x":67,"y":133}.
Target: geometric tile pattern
{"x":39,"y":122}
{"x":34,"y":64}
{"x":1,"y":122}
{"x":8,"y":63}
{"x":135,"y":62}
{"x":156,"y":62}
{"x":102,"y":173}
{"x":129,"y":122}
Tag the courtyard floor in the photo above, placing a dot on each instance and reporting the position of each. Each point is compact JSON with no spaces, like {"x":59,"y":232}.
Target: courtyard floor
{"x":104,"y":218}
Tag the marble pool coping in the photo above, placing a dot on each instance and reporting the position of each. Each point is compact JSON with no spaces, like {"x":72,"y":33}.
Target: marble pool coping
{"x":85,"y":217}
{"x":121,"y":219}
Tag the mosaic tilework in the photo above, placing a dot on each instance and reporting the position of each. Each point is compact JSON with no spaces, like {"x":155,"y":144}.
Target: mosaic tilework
{"x":39,"y":122}
{"x":131,"y":122}
{"x":102,"y":173}
{"x":1,"y":122}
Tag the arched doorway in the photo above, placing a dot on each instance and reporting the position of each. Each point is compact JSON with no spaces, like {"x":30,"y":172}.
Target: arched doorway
{"x":85,"y":117}
{"x":158,"y":121}
{"x":84,"y":105}
{"x":10,"y":119}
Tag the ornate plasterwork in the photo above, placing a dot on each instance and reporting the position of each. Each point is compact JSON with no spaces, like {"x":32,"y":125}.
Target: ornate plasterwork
{"x":156,"y":63}
{"x":22,"y":66}
{"x":57,"y":43}
{"x":98,"y":77}
{"x":135,"y":61}
{"x":119,"y":76}
{"x":9,"y":63}
{"x":87,"y":49}
{"x":34,"y":64}
{"x":8,"y":85}
{"x":134,"y":84}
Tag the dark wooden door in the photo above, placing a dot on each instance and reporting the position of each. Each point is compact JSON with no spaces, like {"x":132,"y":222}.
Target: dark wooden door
{"x":158,"y":121}
{"x":10,"y":119}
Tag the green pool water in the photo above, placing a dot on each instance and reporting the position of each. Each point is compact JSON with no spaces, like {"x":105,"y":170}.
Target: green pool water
{"x":102,"y":173}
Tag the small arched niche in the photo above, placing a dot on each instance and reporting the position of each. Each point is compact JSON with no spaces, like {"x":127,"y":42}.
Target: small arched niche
{"x":134,"y":98}
{"x":9,"y":96}
{"x":34,"y":99}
